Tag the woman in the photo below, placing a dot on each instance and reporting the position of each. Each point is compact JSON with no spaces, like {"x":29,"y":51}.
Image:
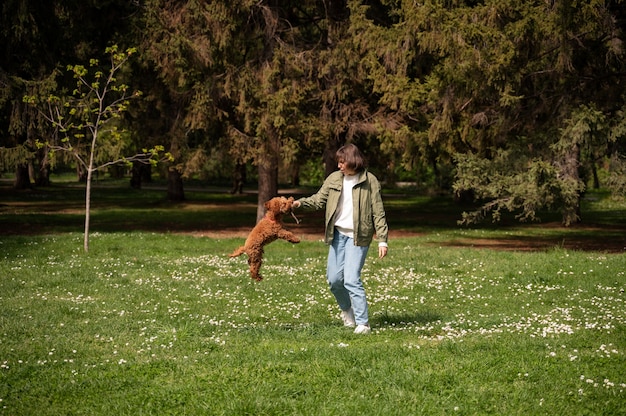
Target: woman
{"x":354,"y":212}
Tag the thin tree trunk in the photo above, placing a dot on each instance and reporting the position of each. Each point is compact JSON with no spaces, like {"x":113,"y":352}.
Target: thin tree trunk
{"x":88,"y":190}
{"x":87,"y":209}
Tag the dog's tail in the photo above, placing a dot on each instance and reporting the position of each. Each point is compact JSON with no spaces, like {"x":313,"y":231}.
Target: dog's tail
{"x":237,"y":252}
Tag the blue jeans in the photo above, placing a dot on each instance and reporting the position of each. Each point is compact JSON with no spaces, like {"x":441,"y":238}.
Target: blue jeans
{"x":345,"y":261}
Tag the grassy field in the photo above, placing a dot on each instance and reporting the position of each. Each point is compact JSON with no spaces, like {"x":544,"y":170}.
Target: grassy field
{"x":504,"y":321}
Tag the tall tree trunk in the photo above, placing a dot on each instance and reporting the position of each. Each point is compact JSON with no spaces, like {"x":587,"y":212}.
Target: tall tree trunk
{"x":135,"y":175}
{"x":268,"y":173}
{"x":337,"y":12}
{"x":571,"y":178}
{"x":330,"y":163}
{"x":295,"y":174}
{"x":390,"y":176}
{"x":596,"y":179}
{"x":117,"y":171}
{"x":146,"y":173}
{"x":239,"y":178}
{"x":140,"y":173}
{"x":81,"y":174}
{"x":175,"y":191}
{"x":43,"y":174}
{"x":22,"y":177}
{"x":268,"y":187}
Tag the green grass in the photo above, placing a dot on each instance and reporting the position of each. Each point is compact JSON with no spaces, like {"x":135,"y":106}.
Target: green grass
{"x":504,"y":320}
{"x":158,"y":323}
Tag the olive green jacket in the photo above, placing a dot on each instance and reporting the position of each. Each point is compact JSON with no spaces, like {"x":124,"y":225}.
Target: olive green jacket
{"x":369,"y":213}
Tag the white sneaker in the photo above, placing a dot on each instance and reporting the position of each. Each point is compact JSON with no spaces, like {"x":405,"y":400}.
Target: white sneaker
{"x":363,"y":329}
{"x":348,"y":318}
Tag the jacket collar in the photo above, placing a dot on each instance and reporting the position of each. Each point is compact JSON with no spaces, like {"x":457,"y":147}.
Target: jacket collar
{"x":338,"y":179}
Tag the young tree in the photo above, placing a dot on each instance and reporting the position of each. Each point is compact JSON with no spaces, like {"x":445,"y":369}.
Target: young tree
{"x":88,"y":121}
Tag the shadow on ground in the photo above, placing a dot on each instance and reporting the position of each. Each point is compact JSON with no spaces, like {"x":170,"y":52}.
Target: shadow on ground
{"x":216,"y":213}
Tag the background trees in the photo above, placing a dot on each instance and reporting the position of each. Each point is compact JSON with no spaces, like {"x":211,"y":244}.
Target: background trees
{"x":37,"y":40}
{"x":519,"y":94}
{"x":520,"y":104}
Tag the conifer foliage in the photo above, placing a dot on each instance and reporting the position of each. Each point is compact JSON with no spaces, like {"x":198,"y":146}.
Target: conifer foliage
{"x":518,"y":103}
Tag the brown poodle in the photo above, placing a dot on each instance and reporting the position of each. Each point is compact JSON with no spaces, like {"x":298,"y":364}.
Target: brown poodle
{"x":267,"y":230}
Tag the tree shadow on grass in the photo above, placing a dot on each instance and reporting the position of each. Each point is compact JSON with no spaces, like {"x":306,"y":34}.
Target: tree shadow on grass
{"x":580,"y":237}
{"x":388,"y":319}
{"x":216,"y":213}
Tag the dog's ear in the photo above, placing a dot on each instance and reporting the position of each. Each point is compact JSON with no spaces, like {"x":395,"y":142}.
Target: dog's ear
{"x":273,"y":204}
{"x":290,"y":199}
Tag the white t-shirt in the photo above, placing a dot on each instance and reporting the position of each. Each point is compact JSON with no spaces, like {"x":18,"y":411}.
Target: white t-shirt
{"x":345,"y":217}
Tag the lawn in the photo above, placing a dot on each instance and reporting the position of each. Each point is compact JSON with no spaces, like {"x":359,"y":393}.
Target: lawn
{"x":504,"y":321}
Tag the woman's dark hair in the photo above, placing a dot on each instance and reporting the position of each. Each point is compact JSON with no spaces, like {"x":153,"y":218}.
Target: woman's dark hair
{"x":352,"y":157}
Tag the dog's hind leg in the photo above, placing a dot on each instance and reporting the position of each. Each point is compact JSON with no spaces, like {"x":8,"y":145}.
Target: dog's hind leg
{"x":255,"y":261}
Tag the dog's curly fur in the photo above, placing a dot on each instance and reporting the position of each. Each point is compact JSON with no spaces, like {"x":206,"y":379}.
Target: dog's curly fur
{"x":269,"y":229}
